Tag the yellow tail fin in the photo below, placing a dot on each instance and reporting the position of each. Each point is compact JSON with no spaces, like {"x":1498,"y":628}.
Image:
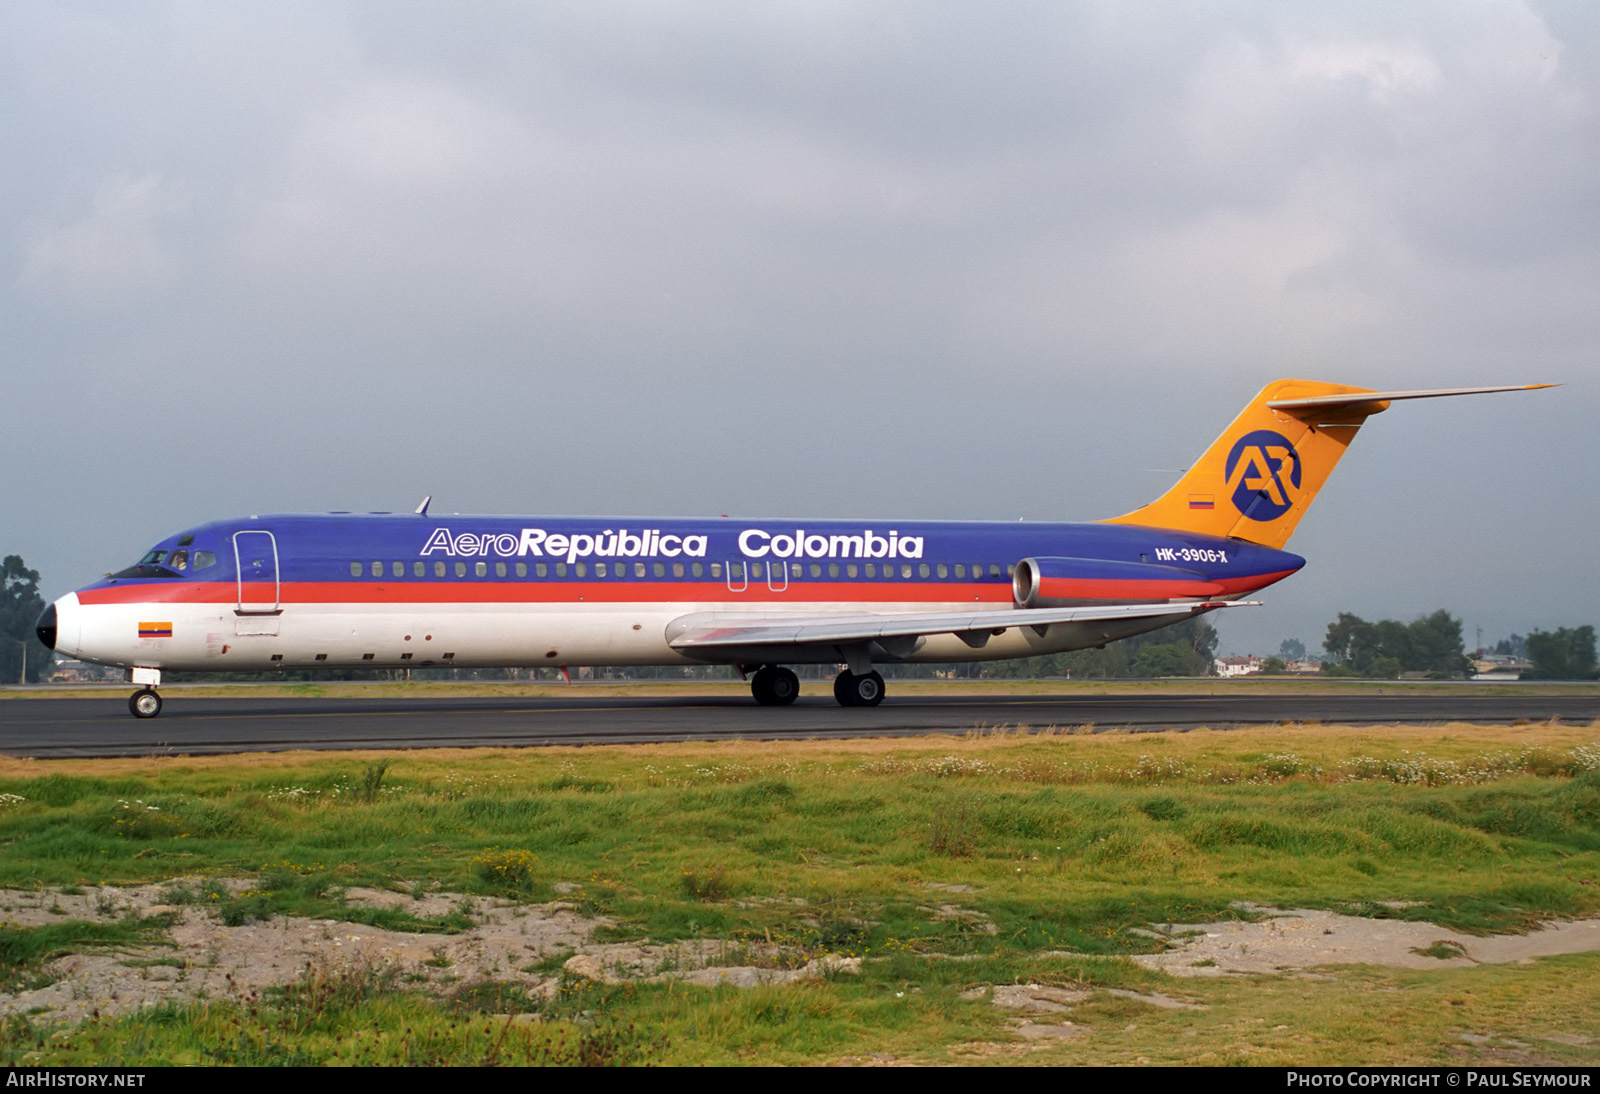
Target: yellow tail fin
{"x":1256,"y":481}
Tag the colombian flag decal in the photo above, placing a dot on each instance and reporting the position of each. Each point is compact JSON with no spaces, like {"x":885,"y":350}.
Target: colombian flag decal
{"x":155,"y":630}
{"x":1201,"y":501}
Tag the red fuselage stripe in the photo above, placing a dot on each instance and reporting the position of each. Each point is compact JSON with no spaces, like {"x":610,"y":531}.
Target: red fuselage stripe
{"x":633,"y":591}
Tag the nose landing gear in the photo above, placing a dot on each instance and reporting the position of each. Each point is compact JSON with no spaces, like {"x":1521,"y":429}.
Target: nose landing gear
{"x":144,"y":703}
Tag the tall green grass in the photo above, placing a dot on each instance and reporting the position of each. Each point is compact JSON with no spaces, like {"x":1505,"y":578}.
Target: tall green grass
{"x":1050,"y":845}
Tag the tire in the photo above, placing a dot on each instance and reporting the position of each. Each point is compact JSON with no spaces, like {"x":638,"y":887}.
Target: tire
{"x":761,"y":687}
{"x":867,"y":691}
{"x":844,"y":689}
{"x":144,"y":703}
{"x":784,"y":687}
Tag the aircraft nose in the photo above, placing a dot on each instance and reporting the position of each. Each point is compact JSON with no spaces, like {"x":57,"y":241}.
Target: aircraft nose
{"x":46,"y":627}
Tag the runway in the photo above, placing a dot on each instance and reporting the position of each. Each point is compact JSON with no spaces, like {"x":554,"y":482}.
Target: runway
{"x":64,"y":728}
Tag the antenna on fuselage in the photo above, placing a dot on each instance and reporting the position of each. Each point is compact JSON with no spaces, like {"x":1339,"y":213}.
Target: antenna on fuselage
{"x":422,"y":510}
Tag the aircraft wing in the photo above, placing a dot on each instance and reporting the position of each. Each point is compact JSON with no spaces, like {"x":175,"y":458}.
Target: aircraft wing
{"x":709,"y":630}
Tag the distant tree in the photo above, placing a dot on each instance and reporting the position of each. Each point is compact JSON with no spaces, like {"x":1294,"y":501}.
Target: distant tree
{"x":1162,"y":659}
{"x":1564,"y":654}
{"x":1511,"y":647}
{"x":1430,"y":644}
{"x":1292,"y":649}
{"x":1273,"y":666}
{"x":20,"y":605}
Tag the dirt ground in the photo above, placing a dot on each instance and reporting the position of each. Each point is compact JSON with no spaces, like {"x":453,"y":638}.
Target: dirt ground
{"x":534,"y":944}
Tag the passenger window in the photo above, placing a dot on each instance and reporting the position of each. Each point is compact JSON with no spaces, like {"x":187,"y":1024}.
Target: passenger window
{"x":599,"y":569}
{"x":377,"y":569}
{"x":581,"y":569}
{"x":481,"y":569}
{"x":833,"y":569}
{"x":418,"y":569}
{"x":677,"y":569}
{"x":994,"y":569}
{"x":1011,"y":569}
{"x":522,"y":569}
{"x":922,"y":570}
{"x":355,"y":569}
{"x":716,"y":568}
{"x":944,"y":571}
{"x":905,"y":569}
{"x":438,"y":568}
{"x":755,"y":570}
{"x":461,"y":569}
{"x":816,"y":569}
{"x":541,"y":570}
{"x":499,"y":569}
{"x":872,"y":569}
{"x":397,"y":569}
{"x":850,"y":569}
{"x":699,"y":569}
{"x":561,"y":569}
{"x":658,"y":568}
{"x":961,"y":570}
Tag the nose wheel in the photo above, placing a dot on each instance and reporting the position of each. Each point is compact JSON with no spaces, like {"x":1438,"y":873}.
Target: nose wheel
{"x":851,"y":690}
{"x":144,"y":703}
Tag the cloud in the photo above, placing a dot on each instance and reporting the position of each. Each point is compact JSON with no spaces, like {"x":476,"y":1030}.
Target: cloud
{"x":115,"y":252}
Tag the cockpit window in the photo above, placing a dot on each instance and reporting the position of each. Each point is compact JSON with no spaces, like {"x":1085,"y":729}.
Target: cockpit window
{"x":147,"y":569}
{"x":162,"y":562}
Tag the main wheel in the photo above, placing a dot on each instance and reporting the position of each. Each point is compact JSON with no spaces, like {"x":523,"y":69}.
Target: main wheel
{"x":775,"y":686}
{"x":144,"y":703}
{"x":844,"y":689}
{"x":867,"y":691}
{"x":785,"y":687}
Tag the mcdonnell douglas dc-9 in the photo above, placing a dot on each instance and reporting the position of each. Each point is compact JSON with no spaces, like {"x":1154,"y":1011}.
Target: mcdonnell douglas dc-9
{"x":391,"y":591}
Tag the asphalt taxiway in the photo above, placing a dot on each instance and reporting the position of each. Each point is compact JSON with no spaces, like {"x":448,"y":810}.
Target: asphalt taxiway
{"x":63,"y":727}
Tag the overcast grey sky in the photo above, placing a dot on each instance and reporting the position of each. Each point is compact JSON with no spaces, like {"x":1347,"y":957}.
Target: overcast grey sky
{"x":878,"y":259}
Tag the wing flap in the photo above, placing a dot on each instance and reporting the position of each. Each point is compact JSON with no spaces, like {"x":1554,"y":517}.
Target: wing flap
{"x":710,"y":630}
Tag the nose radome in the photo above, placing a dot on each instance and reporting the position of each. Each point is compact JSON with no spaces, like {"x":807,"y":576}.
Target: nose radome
{"x":46,"y":627}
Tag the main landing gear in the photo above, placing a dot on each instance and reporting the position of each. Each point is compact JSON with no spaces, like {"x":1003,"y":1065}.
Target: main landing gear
{"x":144,"y":703}
{"x":865,"y":690}
{"x":775,"y":686}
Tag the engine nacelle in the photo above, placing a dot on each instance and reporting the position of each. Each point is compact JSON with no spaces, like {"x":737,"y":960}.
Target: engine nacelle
{"x":1065,"y":582}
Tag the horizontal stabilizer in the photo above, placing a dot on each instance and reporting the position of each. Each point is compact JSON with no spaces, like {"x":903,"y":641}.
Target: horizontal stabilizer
{"x":709,"y":630}
{"x":1367,"y":397}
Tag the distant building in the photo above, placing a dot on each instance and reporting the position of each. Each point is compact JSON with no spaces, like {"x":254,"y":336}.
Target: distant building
{"x":1237,"y":666}
{"x":1499,"y":666}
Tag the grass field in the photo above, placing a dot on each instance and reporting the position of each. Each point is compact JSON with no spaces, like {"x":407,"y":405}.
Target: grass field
{"x":948,"y":865}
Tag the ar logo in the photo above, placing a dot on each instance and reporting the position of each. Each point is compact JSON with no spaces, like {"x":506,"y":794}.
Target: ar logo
{"x":1263,"y":472}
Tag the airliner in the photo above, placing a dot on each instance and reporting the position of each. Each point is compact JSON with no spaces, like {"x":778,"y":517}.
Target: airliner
{"x":387,"y":591}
